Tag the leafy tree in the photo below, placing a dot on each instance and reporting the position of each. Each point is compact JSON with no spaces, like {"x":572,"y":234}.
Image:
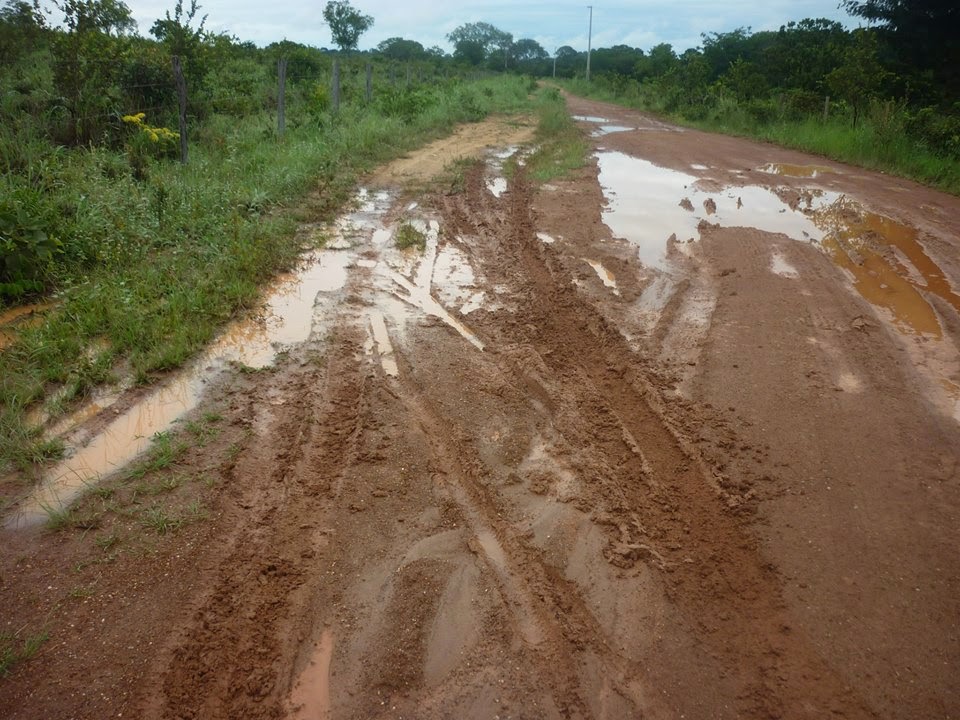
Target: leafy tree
{"x":346,"y":23}
{"x":526,"y":49}
{"x":22,"y":24}
{"x":397,"y":48}
{"x":859,"y":77}
{"x":86,"y":61}
{"x":922,"y":34}
{"x":469,"y":39}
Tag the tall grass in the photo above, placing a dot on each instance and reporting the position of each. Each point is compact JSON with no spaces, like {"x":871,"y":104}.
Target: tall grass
{"x":153,"y":266}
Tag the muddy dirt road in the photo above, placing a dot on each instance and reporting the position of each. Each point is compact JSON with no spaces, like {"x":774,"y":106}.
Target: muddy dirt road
{"x":678,"y":436}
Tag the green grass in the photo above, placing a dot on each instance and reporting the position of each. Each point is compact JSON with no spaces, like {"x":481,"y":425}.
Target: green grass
{"x":152,"y":269}
{"x":879,"y":142}
{"x":407,"y":236}
{"x":561,"y":147}
{"x":15,"y":649}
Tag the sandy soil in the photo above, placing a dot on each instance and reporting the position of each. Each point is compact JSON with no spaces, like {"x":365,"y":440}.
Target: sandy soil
{"x":527,"y":474}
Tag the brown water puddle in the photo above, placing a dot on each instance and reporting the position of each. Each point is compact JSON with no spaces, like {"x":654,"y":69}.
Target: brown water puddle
{"x":12,"y":320}
{"x":310,"y":697}
{"x":890,"y":267}
{"x":287,"y":317}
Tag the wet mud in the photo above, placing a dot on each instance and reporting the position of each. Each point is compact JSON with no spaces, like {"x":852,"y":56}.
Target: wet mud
{"x":676,"y":436}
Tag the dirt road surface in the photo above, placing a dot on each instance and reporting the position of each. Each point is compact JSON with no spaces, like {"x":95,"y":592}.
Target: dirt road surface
{"x":675,"y":437}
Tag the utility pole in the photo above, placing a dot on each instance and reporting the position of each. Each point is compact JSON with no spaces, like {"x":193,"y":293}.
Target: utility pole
{"x":589,"y":38}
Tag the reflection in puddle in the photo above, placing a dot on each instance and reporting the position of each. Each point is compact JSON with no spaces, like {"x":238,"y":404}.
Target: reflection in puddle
{"x":590,"y":119}
{"x":779,"y":265}
{"x":286,"y":318}
{"x":804,"y":171}
{"x":643,"y":207}
{"x":418,"y":291}
{"x":607,"y":277}
{"x":497,"y":186}
{"x":544,"y":238}
{"x":890,"y":267}
{"x":381,"y":339}
{"x":609,"y":129}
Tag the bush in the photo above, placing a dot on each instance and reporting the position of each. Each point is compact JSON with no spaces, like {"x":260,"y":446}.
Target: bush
{"x":27,"y":247}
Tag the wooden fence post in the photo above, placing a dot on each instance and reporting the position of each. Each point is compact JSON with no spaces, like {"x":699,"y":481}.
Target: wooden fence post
{"x":369,"y":82}
{"x":335,"y":89}
{"x":826,"y":107}
{"x":182,"y":100}
{"x":408,"y":74}
{"x":282,"y":96}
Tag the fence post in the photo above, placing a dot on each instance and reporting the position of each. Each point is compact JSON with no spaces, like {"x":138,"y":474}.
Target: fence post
{"x":369,"y":82}
{"x":408,"y":74}
{"x":335,"y":89}
{"x":282,"y":96}
{"x":826,"y":107}
{"x":182,"y":101}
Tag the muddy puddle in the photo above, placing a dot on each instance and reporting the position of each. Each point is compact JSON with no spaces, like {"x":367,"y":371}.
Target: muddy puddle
{"x":889,"y":266}
{"x":15,"y":319}
{"x":649,"y":205}
{"x":286,"y":318}
{"x":439,"y":282}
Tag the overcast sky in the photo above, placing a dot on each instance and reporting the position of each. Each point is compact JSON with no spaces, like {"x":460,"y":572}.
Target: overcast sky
{"x":641,"y":23}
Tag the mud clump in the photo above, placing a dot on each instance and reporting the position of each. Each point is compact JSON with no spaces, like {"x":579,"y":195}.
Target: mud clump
{"x":686,"y":204}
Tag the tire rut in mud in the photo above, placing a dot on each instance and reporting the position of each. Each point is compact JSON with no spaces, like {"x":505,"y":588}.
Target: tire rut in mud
{"x":658,"y":500}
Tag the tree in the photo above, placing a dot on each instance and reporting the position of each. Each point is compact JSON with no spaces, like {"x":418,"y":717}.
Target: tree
{"x":922,"y":34}
{"x":526,"y":49}
{"x":22,"y":24}
{"x":471,"y":39}
{"x":397,"y":48}
{"x":346,"y":23}
{"x":858,"y":78}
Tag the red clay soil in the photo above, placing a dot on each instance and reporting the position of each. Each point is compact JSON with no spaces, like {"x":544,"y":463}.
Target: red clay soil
{"x":714,"y":490}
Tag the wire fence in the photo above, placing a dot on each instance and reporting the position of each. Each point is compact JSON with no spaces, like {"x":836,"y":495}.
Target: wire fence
{"x":324,"y":89}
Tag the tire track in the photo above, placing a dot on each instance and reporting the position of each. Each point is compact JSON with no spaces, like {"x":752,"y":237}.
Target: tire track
{"x":709,"y":561}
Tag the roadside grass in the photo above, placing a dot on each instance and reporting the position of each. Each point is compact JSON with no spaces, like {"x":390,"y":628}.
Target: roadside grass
{"x":152,"y":268}
{"x":879,"y":141}
{"x":560,"y":145}
{"x":15,"y":649}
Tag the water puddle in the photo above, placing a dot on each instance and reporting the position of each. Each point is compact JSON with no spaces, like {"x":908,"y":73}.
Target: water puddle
{"x":544,"y":238}
{"x":696,"y":166}
{"x":310,"y":696}
{"x":607,"y":277}
{"x":590,"y":119}
{"x":779,"y":265}
{"x":497,"y":186}
{"x":803,"y":171}
{"x":610,"y":129}
{"x":384,"y":348}
{"x":19,"y":317}
{"x":418,"y":291}
{"x":889,"y":266}
{"x":649,"y":205}
{"x":286,"y":318}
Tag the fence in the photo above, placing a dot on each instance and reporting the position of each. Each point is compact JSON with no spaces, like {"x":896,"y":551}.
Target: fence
{"x":342,"y":80}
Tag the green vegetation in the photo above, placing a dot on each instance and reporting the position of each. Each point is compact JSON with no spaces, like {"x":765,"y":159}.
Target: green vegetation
{"x":146,"y":258}
{"x":15,"y":649}
{"x":867,"y":96}
{"x":407,"y":236}
{"x":560,"y":144}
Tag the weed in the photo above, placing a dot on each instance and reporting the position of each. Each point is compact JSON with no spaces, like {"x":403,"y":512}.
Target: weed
{"x":407,"y":236}
{"x":107,"y":541}
{"x":159,"y":519}
{"x":13,"y":650}
{"x":80,"y":591}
